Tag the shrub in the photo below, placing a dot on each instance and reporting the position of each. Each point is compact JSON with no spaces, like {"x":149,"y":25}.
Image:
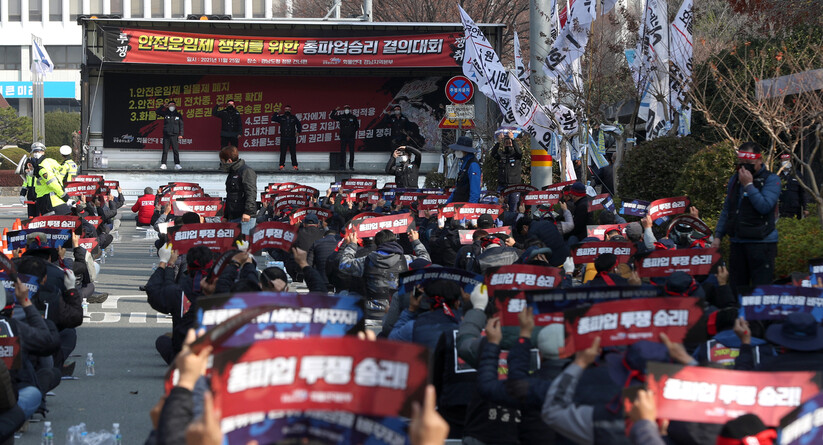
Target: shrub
{"x":799,"y":241}
{"x":59,"y":127}
{"x":705,"y":177}
{"x":651,"y":170}
{"x":12,"y":153}
{"x":54,"y":153}
{"x":436,"y":180}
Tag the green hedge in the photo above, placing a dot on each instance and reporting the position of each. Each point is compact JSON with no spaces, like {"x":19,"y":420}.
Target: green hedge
{"x":799,"y":241}
{"x":59,"y":127}
{"x":705,"y":177}
{"x":12,"y":153}
{"x":652,"y":169}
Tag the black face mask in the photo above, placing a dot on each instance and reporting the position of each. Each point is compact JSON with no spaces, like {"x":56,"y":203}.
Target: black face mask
{"x":230,"y":107}
{"x":287,"y":112}
{"x":749,"y":167}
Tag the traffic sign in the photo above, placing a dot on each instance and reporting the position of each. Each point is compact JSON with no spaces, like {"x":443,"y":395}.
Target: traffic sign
{"x":455,"y":124}
{"x":459,"y":89}
{"x":460,"y":111}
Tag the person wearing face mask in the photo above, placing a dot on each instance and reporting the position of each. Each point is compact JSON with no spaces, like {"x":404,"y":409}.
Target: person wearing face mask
{"x":467,"y":187}
{"x":405,"y":169}
{"x":289,"y":127}
{"x":400,"y":126}
{"x":172,"y":132}
{"x":792,"y":197}
{"x":27,"y":193}
{"x":232,"y":123}
{"x":349,"y":125}
{"x":241,"y":188}
{"x":749,"y":218}
{"x":50,"y":197}
{"x":509,"y":164}
{"x":68,"y":169}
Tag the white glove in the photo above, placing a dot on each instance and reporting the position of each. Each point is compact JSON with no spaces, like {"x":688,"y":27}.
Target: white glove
{"x":70,"y":202}
{"x":164,"y":253}
{"x":22,"y":199}
{"x":242,"y":246}
{"x":568,"y":266}
{"x":69,"y":279}
{"x":480,"y":297}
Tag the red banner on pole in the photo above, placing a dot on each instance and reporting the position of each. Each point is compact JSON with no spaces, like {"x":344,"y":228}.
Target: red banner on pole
{"x":396,"y":223}
{"x":272,"y":235}
{"x":542,"y":198}
{"x":587,"y":252}
{"x":661,"y":263}
{"x":380,"y":378}
{"x":619,"y":323}
{"x":219,"y":237}
{"x":668,"y":206}
{"x":709,"y":395}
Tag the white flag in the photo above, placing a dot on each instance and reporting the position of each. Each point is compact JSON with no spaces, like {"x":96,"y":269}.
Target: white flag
{"x":568,"y":165}
{"x":571,"y":42}
{"x":682,"y":51}
{"x":523,"y":72}
{"x":482,"y":65}
{"x":40,"y":61}
{"x":654,"y":59}
{"x":528,"y":113}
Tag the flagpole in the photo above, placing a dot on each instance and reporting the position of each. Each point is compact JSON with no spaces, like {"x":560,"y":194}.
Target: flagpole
{"x":38,"y":106}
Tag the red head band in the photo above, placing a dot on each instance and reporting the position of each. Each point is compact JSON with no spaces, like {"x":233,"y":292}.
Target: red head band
{"x":748,"y":155}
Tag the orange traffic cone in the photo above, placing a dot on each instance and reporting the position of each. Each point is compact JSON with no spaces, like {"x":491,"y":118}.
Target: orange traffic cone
{"x":17,"y":225}
{"x":5,"y":242}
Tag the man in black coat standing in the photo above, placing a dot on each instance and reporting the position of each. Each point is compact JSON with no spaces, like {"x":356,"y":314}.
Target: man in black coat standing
{"x":232,"y":123}
{"x":289,"y":127}
{"x":241,"y":188}
{"x":172,"y":133}
{"x":509,"y":166}
{"x":348,"y":134}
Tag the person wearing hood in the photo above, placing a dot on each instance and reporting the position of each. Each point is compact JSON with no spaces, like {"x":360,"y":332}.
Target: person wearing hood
{"x":404,"y":164}
{"x":467,"y":187}
{"x":349,"y":124}
{"x":289,"y":127}
{"x":605,"y":265}
{"x":231,"y":123}
{"x":380,"y":269}
{"x":241,"y":188}
{"x":172,"y":133}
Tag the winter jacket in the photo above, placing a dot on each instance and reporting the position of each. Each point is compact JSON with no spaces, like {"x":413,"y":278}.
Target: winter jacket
{"x":144,"y":207}
{"x":494,"y":256}
{"x":445,"y":246}
{"x":232,"y":121}
{"x":509,"y":164}
{"x":400,"y":125}
{"x":307,"y":235}
{"x":467,"y":187}
{"x":349,"y":124}
{"x":581,"y":217}
{"x":176,"y":415}
{"x":381,"y":268}
{"x":289,"y":125}
{"x":320,"y":252}
{"x":406,"y":174}
{"x":424,"y":329}
{"x":241,"y":191}
{"x":751,"y":209}
{"x":172,"y":121}
{"x":170,"y":297}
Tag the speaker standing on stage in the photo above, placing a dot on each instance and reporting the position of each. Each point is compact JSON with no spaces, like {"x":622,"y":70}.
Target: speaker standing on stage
{"x":232,"y":123}
{"x":348,"y":133}
{"x":172,"y":133}
{"x":289,"y":127}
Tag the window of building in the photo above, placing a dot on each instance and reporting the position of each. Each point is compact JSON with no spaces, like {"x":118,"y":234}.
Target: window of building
{"x":258,"y":9}
{"x":96,"y":7}
{"x":56,"y":10}
{"x":35,"y":10}
{"x":15,"y":10}
{"x":157,"y":8}
{"x":9,"y":57}
{"x":198,"y":7}
{"x":137,"y":8}
{"x":237,"y":8}
{"x":117,"y":7}
{"x":218,"y":7}
{"x":177,"y":10}
{"x":75,"y":9}
{"x":65,"y":57}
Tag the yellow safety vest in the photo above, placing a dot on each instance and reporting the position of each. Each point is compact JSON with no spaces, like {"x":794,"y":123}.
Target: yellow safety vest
{"x":48,"y":181}
{"x":68,"y":170}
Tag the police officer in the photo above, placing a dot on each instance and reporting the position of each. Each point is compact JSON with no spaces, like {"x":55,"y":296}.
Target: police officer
{"x":232,"y":123}
{"x":50,"y":198}
{"x":68,"y":169}
{"x":792,"y":196}
{"x":349,"y":125}
{"x":289,"y":127}
{"x":172,"y":132}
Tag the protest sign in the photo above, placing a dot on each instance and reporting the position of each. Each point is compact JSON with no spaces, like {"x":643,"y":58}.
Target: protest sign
{"x":517,"y":188}
{"x":358,"y":183}
{"x":634,"y":207}
{"x":709,"y":395}
{"x":661,"y":263}
{"x":218,"y":237}
{"x":304,"y":189}
{"x":431,"y":202}
{"x":447,"y":210}
{"x":816,"y":271}
{"x":396,"y":223}
{"x":587,"y":252}
{"x":50,"y":238}
{"x":53,"y":222}
{"x":553,"y":301}
{"x":602,"y":201}
{"x":93,"y":220}
{"x":668,"y":206}
{"x":30,"y":281}
{"x":405,"y":199}
{"x":522,"y":277}
{"x":619,"y":323}
{"x":288,"y":199}
{"x":295,"y":315}
{"x":275,"y":186}
{"x":542,"y":198}
{"x":10,"y":351}
{"x":474,"y":211}
{"x":300,"y":214}
{"x":379,"y":378}
{"x":87,"y":243}
{"x":88,"y":178}
{"x":776,"y":302}
{"x":272,"y":235}
{"x":111,"y":185}
{"x":558,"y":186}
{"x":177,"y":194}
{"x":600,"y":231}
{"x":205,"y":207}
{"x":803,"y":425}
{"x":367,"y":196}
{"x":81,"y":188}
{"x":467,"y":280}
{"x":466,"y":235}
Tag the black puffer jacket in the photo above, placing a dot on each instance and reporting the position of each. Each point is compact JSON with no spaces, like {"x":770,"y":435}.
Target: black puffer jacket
{"x":348,"y":124}
{"x":232,"y":121}
{"x":289,"y":125}
{"x":241,"y":191}
{"x":509,"y":164}
{"x":405,"y":174}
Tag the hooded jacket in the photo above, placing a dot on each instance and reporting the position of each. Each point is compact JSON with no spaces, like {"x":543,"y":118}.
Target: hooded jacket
{"x":381,"y":268}
{"x":241,"y":191}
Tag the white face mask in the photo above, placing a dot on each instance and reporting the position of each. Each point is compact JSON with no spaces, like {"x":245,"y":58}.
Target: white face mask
{"x":346,"y":111}
{"x":402,"y":159}
{"x":786,"y":165}
{"x":397,"y":112}
{"x":459,"y":154}
{"x":37,"y":155}
{"x":172,"y":108}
